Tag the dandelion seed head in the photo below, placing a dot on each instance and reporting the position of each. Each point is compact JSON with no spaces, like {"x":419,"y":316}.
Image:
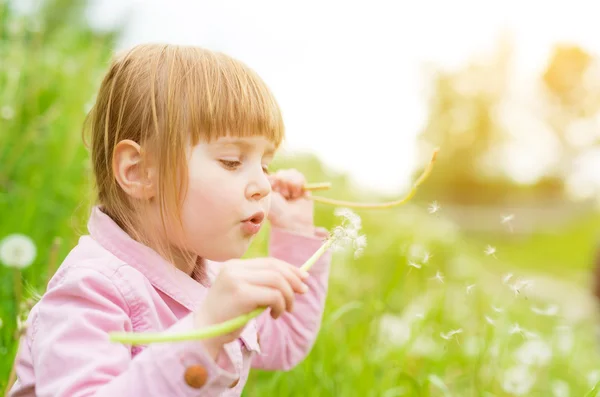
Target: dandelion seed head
{"x":414,"y":264}
{"x":346,"y":235}
{"x":17,"y":251}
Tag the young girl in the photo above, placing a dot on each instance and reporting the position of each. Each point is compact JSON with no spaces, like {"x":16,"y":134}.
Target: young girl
{"x":181,"y":140}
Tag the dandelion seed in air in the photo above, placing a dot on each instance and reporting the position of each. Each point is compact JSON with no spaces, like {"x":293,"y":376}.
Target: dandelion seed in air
{"x":490,"y":320}
{"x":515,"y":329}
{"x":439,"y":276}
{"x":414,"y":264}
{"x":451,"y":333}
{"x":470,"y":288}
{"x":426,"y":257}
{"x":506,"y":278}
{"x":434,"y":207}
{"x":507,"y":220}
{"x":497,"y":309}
{"x":551,"y":310}
{"x":490,"y":251}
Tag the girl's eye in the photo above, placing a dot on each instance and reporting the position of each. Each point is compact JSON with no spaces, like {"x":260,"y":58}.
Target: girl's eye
{"x":266,"y":169}
{"x":231,"y":164}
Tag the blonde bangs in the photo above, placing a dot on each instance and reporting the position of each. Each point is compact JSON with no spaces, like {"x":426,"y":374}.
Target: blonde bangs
{"x":223,"y":97}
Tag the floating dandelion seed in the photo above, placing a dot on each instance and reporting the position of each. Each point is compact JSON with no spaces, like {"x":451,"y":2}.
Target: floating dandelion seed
{"x":515,"y":329}
{"x":469,"y":288}
{"x":451,"y":333}
{"x":413,"y":264}
{"x":439,"y":276}
{"x":489,"y":250}
{"x":497,"y":309}
{"x":490,"y":320}
{"x":507,"y":219}
{"x":519,"y":285}
{"x":426,"y":257}
{"x":507,"y":277}
{"x":420,"y":315}
{"x":551,"y":310}
{"x":434,"y":207}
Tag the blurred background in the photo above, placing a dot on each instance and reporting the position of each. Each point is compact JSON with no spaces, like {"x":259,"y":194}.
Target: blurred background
{"x":482,"y":285}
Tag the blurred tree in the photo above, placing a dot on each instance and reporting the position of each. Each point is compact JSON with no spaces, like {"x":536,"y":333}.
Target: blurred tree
{"x":571,"y":93}
{"x":463,"y":122}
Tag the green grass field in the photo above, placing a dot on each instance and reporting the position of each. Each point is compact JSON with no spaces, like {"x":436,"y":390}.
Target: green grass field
{"x":395,"y":323}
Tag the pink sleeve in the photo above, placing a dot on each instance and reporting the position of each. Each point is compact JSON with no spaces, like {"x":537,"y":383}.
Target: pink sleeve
{"x":285,"y":342}
{"x":74,"y":357}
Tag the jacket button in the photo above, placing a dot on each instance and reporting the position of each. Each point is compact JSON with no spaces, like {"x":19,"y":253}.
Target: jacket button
{"x":234,"y":383}
{"x":196,"y":376}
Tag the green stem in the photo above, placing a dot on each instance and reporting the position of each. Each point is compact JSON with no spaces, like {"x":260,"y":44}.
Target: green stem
{"x":210,"y":331}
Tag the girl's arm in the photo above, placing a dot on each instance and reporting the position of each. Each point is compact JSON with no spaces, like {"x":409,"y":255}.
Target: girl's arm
{"x":286,"y":341}
{"x":73,"y":356}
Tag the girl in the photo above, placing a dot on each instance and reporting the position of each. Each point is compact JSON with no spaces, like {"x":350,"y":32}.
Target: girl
{"x":181,"y":140}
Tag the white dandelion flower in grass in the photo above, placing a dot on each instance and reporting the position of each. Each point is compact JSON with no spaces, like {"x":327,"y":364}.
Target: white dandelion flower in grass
{"x":518,"y":380}
{"x":560,"y":388}
{"x":7,"y":112}
{"x":17,"y":251}
{"x":434,"y":207}
{"x":534,"y":352}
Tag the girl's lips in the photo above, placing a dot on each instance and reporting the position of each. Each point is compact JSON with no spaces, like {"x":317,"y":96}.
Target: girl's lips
{"x":252,"y":224}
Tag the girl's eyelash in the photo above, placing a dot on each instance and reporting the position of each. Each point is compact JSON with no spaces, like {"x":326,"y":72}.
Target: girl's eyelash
{"x":232,"y":164}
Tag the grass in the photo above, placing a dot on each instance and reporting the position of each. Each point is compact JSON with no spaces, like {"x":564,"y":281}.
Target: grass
{"x":385,"y":322}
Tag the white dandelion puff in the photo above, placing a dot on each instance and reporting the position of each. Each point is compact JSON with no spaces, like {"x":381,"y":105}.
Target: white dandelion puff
{"x":347,"y":235}
{"x":451,"y":333}
{"x":7,"y":112}
{"x":434,"y":207}
{"x":17,"y":251}
{"x":490,"y":251}
{"x":518,"y":380}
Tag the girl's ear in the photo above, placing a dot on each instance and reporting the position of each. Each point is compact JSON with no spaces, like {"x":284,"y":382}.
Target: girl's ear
{"x":135,"y":176}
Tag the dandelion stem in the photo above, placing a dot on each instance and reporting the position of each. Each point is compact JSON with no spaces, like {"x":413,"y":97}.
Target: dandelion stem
{"x":317,"y":186}
{"x":18,"y":287}
{"x":210,"y":331}
{"x":388,"y":204}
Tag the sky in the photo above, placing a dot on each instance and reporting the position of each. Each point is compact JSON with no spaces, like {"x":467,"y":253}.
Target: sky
{"x":349,"y":75}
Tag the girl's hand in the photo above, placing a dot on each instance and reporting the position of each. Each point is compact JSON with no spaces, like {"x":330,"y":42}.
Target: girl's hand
{"x":244,"y":285}
{"x":290,"y":206}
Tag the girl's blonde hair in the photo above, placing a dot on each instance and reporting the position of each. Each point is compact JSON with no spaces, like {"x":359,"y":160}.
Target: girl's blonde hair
{"x":166,"y":97}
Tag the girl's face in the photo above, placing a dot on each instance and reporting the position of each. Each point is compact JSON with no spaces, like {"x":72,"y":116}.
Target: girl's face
{"x":228,"y":196}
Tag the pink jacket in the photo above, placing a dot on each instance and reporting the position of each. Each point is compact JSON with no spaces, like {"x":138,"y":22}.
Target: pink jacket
{"x":109,"y":282}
